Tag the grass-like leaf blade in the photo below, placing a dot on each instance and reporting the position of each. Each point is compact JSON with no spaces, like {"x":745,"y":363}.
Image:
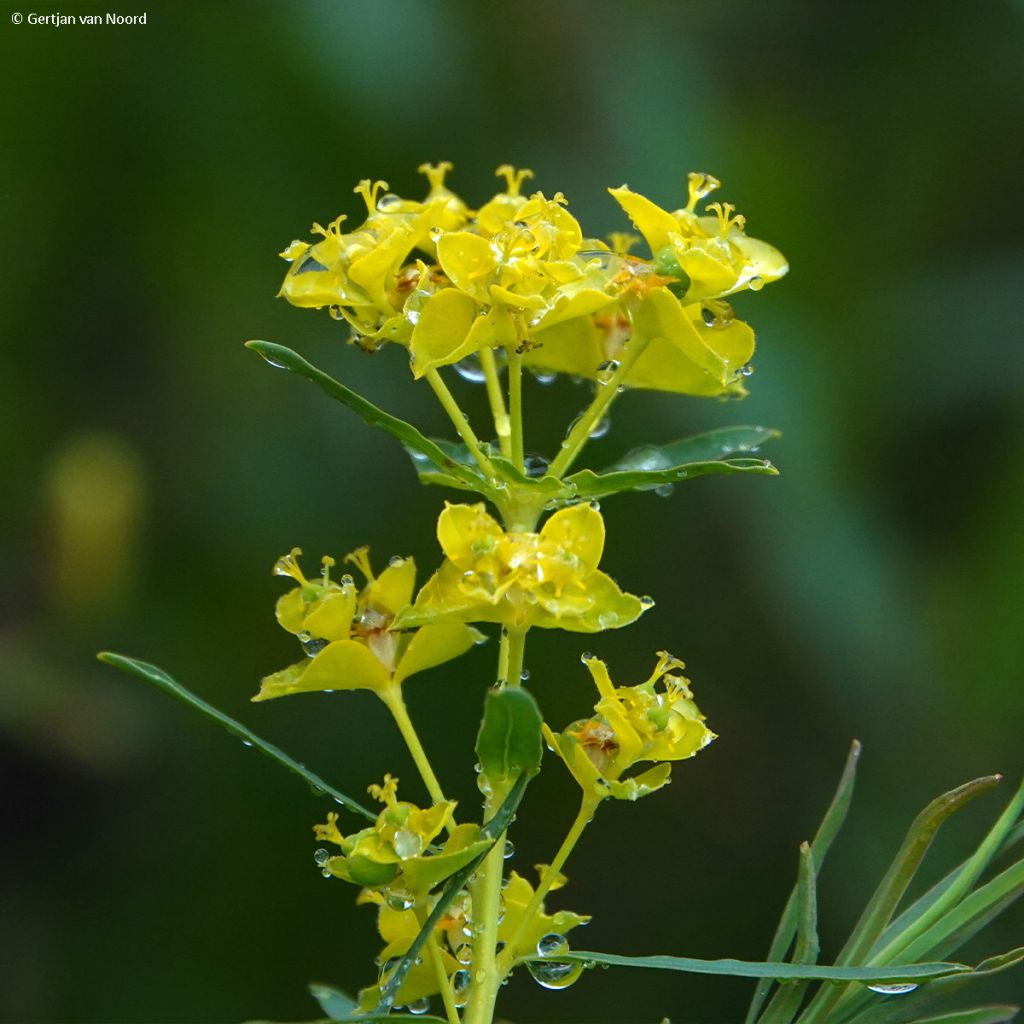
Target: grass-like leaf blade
{"x":787,"y":999}
{"x":280,"y":355}
{"x":589,"y":485}
{"x":890,"y":974}
{"x":711,"y":446}
{"x":890,"y":890}
{"x":829,"y":828}
{"x":158,"y":677}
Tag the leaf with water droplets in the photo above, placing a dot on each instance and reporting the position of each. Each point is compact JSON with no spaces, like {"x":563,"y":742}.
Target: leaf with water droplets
{"x":157,"y":676}
{"x":509,"y":741}
{"x":411,"y":438}
{"x":588,"y":485}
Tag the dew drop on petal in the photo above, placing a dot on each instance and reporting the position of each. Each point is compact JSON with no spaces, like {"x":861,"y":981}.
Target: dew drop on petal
{"x":420,"y":1005}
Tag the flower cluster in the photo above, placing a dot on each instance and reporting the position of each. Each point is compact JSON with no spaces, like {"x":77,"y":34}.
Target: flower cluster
{"x":548,"y":579}
{"x":519,"y":274}
{"x":633,"y":724}
{"x":348,"y":635}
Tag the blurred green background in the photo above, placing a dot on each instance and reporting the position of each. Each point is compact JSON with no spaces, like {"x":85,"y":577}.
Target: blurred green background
{"x":151,"y":868}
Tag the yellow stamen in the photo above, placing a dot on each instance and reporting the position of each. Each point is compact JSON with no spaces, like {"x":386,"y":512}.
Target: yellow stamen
{"x":334,"y":228}
{"x":369,"y":190}
{"x":726,"y":220}
{"x":513,"y":178}
{"x":622,"y":241}
{"x":385,"y":793}
{"x":360,"y":558}
{"x":435,"y":174}
{"x":700,"y":185}
{"x":287,"y":565}
{"x":326,"y":563}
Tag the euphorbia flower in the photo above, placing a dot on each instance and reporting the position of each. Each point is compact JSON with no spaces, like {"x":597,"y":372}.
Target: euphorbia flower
{"x":548,"y":579}
{"x":633,"y":724}
{"x":394,"y":855}
{"x":710,"y":256}
{"x":349,"y":634}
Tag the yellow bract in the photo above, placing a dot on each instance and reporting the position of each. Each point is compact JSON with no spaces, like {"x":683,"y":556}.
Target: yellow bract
{"x":633,"y":724}
{"x":520,"y":274}
{"x":348,"y":633}
{"x":548,"y":579}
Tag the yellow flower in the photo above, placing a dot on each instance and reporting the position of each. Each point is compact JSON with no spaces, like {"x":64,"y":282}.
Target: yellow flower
{"x":710,"y":256}
{"x":515,"y":269}
{"x":548,"y":579}
{"x":349,"y":635}
{"x":357,"y":274}
{"x":517,"y":894}
{"x":395,"y":855}
{"x":633,"y":724}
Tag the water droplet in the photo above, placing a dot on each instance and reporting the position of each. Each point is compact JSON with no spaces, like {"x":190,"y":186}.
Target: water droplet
{"x":347,"y":580}
{"x":312,"y":646}
{"x":524,"y":676}
{"x":646,"y":601}
{"x":586,"y":656}
{"x":436,"y":233}
{"x":326,"y":873}
{"x":273,"y":362}
{"x":745,"y":370}
{"x":471,"y":370}
{"x":544,"y":377}
{"x":510,"y":850}
{"x":460,"y":987}
{"x":707,"y":316}
{"x":898,"y":989}
{"x":755,"y":284}
{"x":552,"y":943}
{"x":246,"y":743}
{"x":554,"y":974}
{"x":420,"y":1005}
{"x":321,"y":856}
{"x":535,"y":465}
{"x":601,"y":427}
{"x":316,"y":790}
{"x":395,"y":561}
{"x":464,"y":954}
{"x":469,"y":929}
{"x":408,"y":844}
{"x":665,"y":490}
{"x":400,"y":901}
{"x":388,"y":203}
{"x":606,"y":371}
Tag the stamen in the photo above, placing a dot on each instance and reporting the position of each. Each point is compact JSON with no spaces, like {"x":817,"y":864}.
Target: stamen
{"x":369,"y":191}
{"x":513,"y":178}
{"x":326,"y":563}
{"x":726,"y":220}
{"x":360,"y":558}
{"x":385,"y":793}
{"x":700,"y":185}
{"x":622,"y":242}
{"x":334,"y":228}
{"x":287,"y":565}
{"x":435,"y":173}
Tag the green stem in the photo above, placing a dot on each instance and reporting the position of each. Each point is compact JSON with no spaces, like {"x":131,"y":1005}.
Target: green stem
{"x":515,"y":405}
{"x":392,"y":697}
{"x":606,"y":392}
{"x":588,"y":806}
{"x":436,"y":961}
{"x":514,"y":662}
{"x":458,"y":418}
{"x":486,"y":899}
{"x":502,"y":426}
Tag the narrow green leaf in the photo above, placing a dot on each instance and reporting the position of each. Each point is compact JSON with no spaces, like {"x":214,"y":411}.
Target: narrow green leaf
{"x":788,"y":998}
{"x":509,"y":741}
{"x":891,"y":974}
{"x":335,"y":1003}
{"x":823,"y":838}
{"x":710,"y":446}
{"x":589,"y":485}
{"x":883,"y":903}
{"x":492,"y":831}
{"x":279,"y":355}
{"x":158,"y":677}
{"x":959,"y":886}
{"x":979,"y":1015}
{"x":430,"y":473}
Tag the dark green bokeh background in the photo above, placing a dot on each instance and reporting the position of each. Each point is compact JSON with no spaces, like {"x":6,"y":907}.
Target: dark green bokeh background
{"x":154,"y":870}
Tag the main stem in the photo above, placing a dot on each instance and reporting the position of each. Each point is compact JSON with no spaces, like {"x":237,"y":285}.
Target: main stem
{"x":606,"y":392}
{"x":515,"y":405}
{"x":392,"y":697}
{"x":588,"y":806}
